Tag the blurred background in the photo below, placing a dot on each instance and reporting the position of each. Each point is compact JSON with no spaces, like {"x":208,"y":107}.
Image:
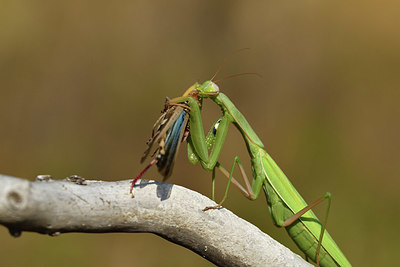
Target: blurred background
{"x":81,"y":84}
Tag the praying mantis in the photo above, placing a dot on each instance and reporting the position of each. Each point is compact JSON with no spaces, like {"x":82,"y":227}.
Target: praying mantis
{"x":288,"y":209}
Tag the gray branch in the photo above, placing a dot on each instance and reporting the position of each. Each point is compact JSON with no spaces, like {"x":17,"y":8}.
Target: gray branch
{"x":173,"y":212}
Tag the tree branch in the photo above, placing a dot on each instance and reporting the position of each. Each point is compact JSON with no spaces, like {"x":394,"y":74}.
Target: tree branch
{"x":173,"y":212}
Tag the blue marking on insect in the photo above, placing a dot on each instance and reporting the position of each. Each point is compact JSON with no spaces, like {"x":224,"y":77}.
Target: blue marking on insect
{"x":215,"y":128}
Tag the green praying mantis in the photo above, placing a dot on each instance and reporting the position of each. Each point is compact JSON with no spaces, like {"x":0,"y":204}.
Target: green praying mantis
{"x":287,"y":207}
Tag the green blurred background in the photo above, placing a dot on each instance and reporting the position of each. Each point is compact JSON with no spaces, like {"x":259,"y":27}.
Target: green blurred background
{"x":81,"y":84}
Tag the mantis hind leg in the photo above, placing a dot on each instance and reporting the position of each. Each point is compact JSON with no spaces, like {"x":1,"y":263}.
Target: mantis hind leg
{"x":247,"y":192}
{"x":296,"y":216}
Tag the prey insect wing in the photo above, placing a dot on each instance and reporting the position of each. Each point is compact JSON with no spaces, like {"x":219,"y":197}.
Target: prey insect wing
{"x":161,"y":127}
{"x":168,"y":152}
{"x":168,"y":132}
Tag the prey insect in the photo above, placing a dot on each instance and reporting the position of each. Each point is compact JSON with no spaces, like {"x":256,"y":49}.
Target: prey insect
{"x":168,"y":133}
{"x":288,"y":209}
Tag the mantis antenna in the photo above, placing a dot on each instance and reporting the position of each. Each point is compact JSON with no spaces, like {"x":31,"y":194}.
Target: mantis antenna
{"x":225,"y":59}
{"x":238,"y":74}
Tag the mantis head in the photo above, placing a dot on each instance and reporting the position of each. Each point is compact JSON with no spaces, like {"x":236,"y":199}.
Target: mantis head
{"x":207,"y":89}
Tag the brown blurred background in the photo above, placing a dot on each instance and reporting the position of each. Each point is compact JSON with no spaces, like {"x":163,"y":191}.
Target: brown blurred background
{"x":81,"y":85}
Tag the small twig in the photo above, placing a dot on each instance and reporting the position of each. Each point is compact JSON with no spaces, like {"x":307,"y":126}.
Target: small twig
{"x":173,"y":212}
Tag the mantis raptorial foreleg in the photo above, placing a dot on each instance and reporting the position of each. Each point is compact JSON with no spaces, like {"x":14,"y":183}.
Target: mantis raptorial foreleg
{"x":210,"y":141}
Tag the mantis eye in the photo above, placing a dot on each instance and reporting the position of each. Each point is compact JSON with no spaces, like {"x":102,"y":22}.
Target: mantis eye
{"x":214,"y":87}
